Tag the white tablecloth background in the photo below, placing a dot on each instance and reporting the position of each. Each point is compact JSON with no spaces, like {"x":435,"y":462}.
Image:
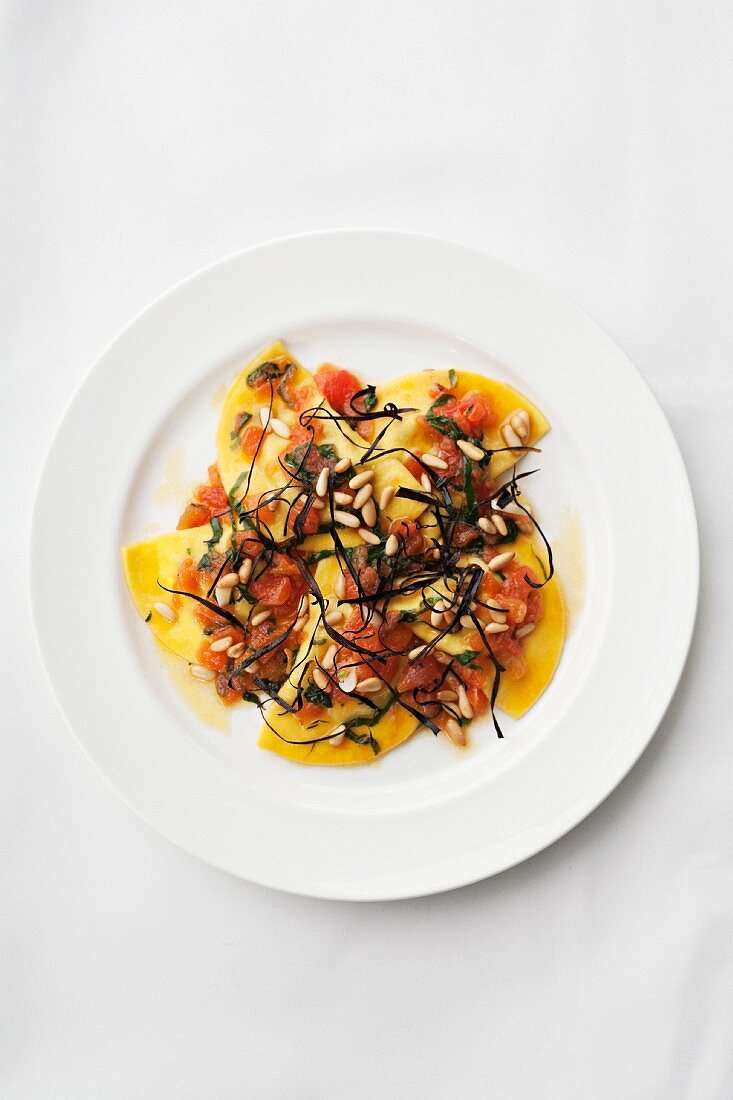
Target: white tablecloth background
{"x":588,"y":142}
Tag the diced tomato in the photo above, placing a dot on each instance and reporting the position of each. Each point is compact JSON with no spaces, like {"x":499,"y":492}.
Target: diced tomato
{"x":472,"y":414}
{"x":263,"y":379}
{"x":408,"y":530}
{"x":425,"y":673}
{"x":368,"y":579}
{"x":193,"y":515}
{"x":271,"y":589}
{"x":414,"y":467}
{"x":310,"y":523}
{"x":338,"y":387}
{"x":251,"y":440}
{"x":451,"y":455}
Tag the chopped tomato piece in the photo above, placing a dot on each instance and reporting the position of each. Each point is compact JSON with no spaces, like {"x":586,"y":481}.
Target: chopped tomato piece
{"x":338,"y":387}
{"x":193,"y":515}
{"x":472,"y":414}
{"x":251,"y":440}
{"x":425,"y":673}
{"x":271,"y":589}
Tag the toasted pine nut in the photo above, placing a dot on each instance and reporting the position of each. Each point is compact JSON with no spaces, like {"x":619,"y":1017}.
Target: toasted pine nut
{"x":264,"y":417}
{"x":342,"y":498}
{"x":322,"y":483}
{"x":245,"y":571}
{"x":260,"y":617}
{"x":339,"y":586}
{"x":500,"y":524}
{"x":372,"y":683}
{"x":320,"y":679}
{"x":338,"y":735}
{"x":274,"y":505}
{"x":363,"y":495}
{"x":346,"y":518}
{"x":470,"y":450}
{"x":448,"y":696}
{"x":368,"y":536}
{"x":455,"y":732}
{"x":501,"y":560}
{"x":524,"y":630}
{"x":318,"y":503}
{"x":463,"y":704}
{"x":361,"y":479}
{"x":436,"y":619}
{"x":280,"y":428}
{"x":497,"y":616}
{"x":510,"y":436}
{"x":495,"y":628}
{"x":222,"y":596}
{"x":426,"y":483}
{"x":487,"y":526}
{"x":342,"y":466}
{"x":228,"y":580}
{"x":329,"y":656}
{"x":300,"y":623}
{"x":202,"y":673}
{"x":369,"y":512}
{"x":416,"y":652}
{"x":165,"y":611}
{"x":434,"y":461}
{"x":334,"y":617}
{"x":442,"y":658}
{"x":467,"y":621}
{"x":348,"y":683}
{"x":392,"y":546}
{"x":387,"y":496}
{"x":236,"y":650}
{"x":434,"y":553}
{"x":221,"y":644}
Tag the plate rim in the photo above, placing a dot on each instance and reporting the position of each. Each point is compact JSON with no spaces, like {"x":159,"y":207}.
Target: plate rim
{"x":593,"y":796}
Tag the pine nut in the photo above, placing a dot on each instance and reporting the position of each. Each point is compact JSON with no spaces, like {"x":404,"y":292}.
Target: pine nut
{"x":416,"y":652}
{"x":470,"y":450}
{"x":300,"y":623}
{"x":455,"y":732}
{"x":222,"y":595}
{"x":495,"y":628}
{"x":436,"y":619}
{"x":369,"y":512}
{"x":387,"y":496}
{"x":329,"y":656}
{"x":463,"y":704}
{"x":434,"y":461}
{"x":426,"y":483}
{"x":245,"y":571}
{"x":280,"y":428}
{"x":202,"y":673}
{"x":166,"y":612}
{"x":361,"y":479}
{"x":260,"y":617}
{"x":368,"y":536}
{"x":377,"y":619}
{"x":371,"y":684}
{"x":442,"y":658}
{"x":497,"y":616}
{"x":524,"y":630}
{"x":318,"y":503}
{"x":510,"y":436}
{"x":487,"y":526}
{"x":342,"y":466}
{"x":392,"y":546}
{"x":500,"y":525}
{"x":228,"y":580}
{"x":274,"y":505}
{"x":348,"y":683}
{"x":338,"y":735}
{"x":346,"y":519}
{"x":264,"y":417}
{"x":334,"y":617}
{"x":339,"y":586}
{"x":435,"y":553}
{"x":342,"y":498}
{"x":497,"y":563}
{"x":467,"y":621}
{"x":236,"y":650}
{"x":253,"y":668}
{"x":221,"y":644}
{"x":448,"y":696}
{"x":320,"y":679}
{"x":322,"y":483}
{"x":363,"y":495}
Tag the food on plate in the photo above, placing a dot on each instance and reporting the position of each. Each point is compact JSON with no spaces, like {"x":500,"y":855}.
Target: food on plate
{"x":361,"y":561}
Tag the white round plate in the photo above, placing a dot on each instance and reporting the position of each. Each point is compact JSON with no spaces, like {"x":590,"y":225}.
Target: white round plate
{"x":612,"y":491}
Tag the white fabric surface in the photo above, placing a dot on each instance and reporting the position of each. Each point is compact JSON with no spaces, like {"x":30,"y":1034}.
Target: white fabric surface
{"x":588,"y":142}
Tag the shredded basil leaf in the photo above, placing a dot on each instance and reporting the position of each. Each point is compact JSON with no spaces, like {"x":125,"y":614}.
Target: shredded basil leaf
{"x":317,"y":696}
{"x":467,"y":656}
{"x":452,"y":377}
